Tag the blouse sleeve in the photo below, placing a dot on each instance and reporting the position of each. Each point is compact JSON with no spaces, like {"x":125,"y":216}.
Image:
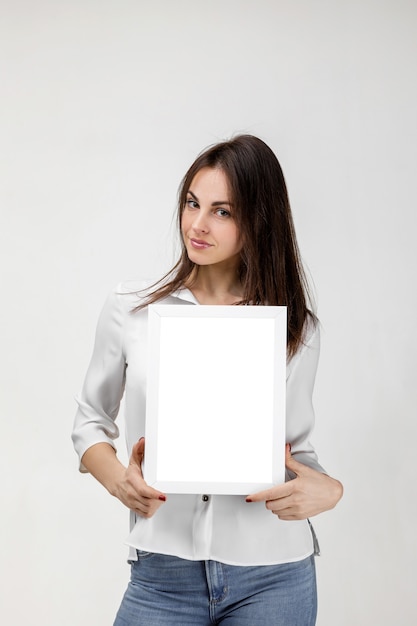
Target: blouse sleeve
{"x":99,"y":401}
{"x":300,"y":413}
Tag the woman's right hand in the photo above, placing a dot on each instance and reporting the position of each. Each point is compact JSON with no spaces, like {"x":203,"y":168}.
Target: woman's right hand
{"x":133,"y":491}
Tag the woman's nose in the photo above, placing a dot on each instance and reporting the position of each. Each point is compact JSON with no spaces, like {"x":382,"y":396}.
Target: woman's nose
{"x":200,"y":223}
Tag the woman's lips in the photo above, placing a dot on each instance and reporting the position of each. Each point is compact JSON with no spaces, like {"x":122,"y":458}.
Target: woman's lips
{"x":199,"y":244}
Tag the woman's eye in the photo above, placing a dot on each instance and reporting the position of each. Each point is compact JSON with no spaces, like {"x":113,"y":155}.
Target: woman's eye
{"x":192,"y":204}
{"x":223,"y":213}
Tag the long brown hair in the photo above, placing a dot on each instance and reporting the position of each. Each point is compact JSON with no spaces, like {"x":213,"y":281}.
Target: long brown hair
{"x":270,"y":270}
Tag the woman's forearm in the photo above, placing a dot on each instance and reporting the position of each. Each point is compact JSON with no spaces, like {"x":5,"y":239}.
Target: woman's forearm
{"x":102,"y":462}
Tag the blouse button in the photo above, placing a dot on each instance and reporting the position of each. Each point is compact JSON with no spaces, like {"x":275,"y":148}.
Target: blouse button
{"x":205,"y":498}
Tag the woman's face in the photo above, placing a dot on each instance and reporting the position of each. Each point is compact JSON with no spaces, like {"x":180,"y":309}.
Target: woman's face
{"x":208,"y":225}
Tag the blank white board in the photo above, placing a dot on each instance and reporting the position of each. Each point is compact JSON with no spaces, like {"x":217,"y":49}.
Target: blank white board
{"x":215,"y":415}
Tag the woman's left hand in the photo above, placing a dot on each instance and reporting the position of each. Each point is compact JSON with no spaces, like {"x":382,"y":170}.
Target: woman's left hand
{"x":309,"y":494}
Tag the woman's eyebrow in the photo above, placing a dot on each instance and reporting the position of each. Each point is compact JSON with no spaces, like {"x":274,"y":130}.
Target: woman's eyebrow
{"x":217,"y":203}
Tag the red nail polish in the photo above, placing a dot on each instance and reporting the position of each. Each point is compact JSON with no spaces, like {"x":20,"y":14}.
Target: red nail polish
{"x":248,"y":500}
{"x":162,"y":498}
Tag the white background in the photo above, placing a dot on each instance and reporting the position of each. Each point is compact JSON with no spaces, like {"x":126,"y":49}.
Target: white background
{"x":235,"y":389}
{"x":103,"y":106}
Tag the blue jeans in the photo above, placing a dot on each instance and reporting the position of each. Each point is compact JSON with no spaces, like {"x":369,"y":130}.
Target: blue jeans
{"x":166,"y":590}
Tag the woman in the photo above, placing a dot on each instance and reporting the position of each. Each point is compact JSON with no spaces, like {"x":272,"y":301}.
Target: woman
{"x":211,"y":559}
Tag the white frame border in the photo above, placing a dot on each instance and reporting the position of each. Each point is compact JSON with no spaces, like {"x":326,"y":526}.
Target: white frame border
{"x":156,"y":314}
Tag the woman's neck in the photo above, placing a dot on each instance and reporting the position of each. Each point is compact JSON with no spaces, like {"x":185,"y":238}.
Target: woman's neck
{"x":211,"y":285}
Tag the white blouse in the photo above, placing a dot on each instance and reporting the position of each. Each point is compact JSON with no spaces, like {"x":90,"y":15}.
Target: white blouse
{"x":196,"y":527}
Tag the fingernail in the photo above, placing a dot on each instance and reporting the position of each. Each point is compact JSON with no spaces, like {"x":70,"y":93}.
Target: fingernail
{"x":249,"y":500}
{"x":163,"y":498}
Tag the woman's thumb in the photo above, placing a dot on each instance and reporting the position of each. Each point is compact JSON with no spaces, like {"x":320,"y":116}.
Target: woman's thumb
{"x":138,"y":452}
